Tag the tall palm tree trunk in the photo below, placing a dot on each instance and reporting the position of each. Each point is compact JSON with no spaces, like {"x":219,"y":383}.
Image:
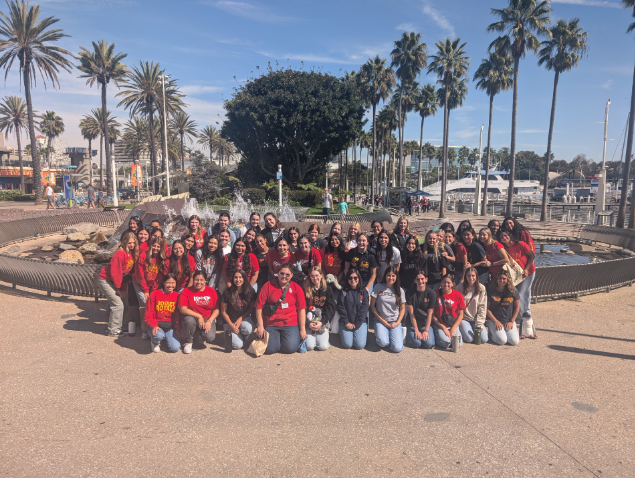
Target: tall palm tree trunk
{"x":543,"y":212}
{"x":153,"y":156}
{"x":104,"y":111}
{"x":101,"y":161}
{"x":375,"y":163}
{"x":90,"y":160}
{"x":445,"y":154}
{"x":489,"y":152}
{"x":346,"y":170}
{"x":37,"y":169}
{"x":17,"y":134}
{"x":400,"y":138}
{"x":182,"y":155}
{"x":164,"y":153}
{"x":621,"y":215}
{"x":419,"y":183}
{"x":512,"y":153}
{"x":355,"y":172}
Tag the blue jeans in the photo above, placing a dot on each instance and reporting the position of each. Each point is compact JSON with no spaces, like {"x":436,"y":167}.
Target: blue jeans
{"x":317,"y":341}
{"x":115,"y":320}
{"x":354,"y":338}
{"x":389,"y":337}
{"x":412,"y":341}
{"x":173,"y":344}
{"x":246,"y":327}
{"x":524,"y":293}
{"x":441,"y":339}
{"x":467,"y":332}
{"x":483,"y":278}
{"x":284,"y":339}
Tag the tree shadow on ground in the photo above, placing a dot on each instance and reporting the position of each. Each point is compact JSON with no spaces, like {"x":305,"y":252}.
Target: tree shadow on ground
{"x":576,"y":350}
{"x":567,"y":332}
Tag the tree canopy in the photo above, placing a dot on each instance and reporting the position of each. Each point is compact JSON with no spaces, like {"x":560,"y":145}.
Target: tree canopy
{"x":294,"y":118}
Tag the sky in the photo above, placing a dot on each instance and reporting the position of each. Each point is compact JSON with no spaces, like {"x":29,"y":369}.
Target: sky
{"x":213,"y":46}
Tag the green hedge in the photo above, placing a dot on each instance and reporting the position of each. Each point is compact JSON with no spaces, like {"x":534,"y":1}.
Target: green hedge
{"x":16,"y":195}
{"x":305,"y":198}
{"x":25,"y":197}
{"x":220,"y":201}
{"x":256,"y":196}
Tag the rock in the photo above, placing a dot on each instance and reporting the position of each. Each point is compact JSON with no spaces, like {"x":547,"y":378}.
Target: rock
{"x":13,"y":250}
{"x":85,"y":228}
{"x":570,"y":253}
{"x":72,"y":256}
{"x":66,"y":247}
{"x":564,"y":250}
{"x":47,"y":248}
{"x":26,"y":254}
{"x":547,"y":251}
{"x":76,"y":237}
{"x":88,"y":247}
{"x":102,"y":257}
{"x":99,"y":238}
{"x":600,"y":249}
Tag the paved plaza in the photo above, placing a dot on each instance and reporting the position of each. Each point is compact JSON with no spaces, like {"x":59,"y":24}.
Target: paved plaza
{"x":77,"y":403}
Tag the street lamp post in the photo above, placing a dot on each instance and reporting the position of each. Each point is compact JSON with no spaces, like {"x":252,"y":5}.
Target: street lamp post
{"x":601,"y":198}
{"x":165,"y":137}
{"x":478,"y":175}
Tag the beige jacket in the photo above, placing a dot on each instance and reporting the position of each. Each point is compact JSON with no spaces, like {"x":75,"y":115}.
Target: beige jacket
{"x":476,"y":311}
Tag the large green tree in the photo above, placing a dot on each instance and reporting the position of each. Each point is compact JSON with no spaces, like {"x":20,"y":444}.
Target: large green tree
{"x":51,"y":126}
{"x":493,"y":76}
{"x":426,"y":105}
{"x":450,"y":61}
{"x":14,"y":119}
{"x":90,"y":132}
{"x":32,"y":44}
{"x":409,"y":57}
{"x":519,"y":23}
{"x":560,"y":53}
{"x":294,"y":118}
{"x":185,"y":127}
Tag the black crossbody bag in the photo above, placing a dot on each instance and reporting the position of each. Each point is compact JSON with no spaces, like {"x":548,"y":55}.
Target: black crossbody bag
{"x":269,"y":309}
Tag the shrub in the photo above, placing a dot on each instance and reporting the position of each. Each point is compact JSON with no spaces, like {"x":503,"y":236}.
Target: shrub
{"x":221,"y":201}
{"x":256,"y":196}
{"x":25,"y":197}
{"x":305,"y":198}
{"x":10,"y":195}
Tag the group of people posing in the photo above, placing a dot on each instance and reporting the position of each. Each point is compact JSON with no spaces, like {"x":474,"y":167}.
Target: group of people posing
{"x":296,"y":289}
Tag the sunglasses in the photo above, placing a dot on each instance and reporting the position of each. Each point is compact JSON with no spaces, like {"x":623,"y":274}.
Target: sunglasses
{"x":353,"y":278}
{"x":284,"y":274}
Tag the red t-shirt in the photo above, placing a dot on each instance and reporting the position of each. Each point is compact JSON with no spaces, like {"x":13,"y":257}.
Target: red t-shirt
{"x":303,"y":259}
{"x":275,"y":261}
{"x":149,"y":278}
{"x":453,"y":303}
{"x":518,"y":252}
{"x":182,"y":279}
{"x":526,"y":238}
{"x":253,"y":261}
{"x":491,"y":251}
{"x":287,"y":313}
{"x":144,"y":246}
{"x":161,"y":307}
{"x":121,"y":264}
{"x":202,"y":302}
{"x":332,"y":263}
{"x":459,"y":253}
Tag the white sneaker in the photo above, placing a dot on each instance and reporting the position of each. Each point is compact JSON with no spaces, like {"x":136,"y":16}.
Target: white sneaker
{"x":155,"y":348}
{"x":145,"y":336}
{"x":187,"y":349}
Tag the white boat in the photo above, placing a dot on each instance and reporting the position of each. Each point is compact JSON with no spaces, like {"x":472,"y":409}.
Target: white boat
{"x":498,"y":184}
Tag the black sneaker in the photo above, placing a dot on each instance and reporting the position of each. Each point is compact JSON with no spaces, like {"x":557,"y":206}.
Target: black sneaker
{"x":116,"y":333}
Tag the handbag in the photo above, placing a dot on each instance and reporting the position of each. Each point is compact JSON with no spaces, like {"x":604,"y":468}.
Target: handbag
{"x":514,"y":271}
{"x":446,"y":318}
{"x":299,"y":276}
{"x":269,"y":309}
{"x":258,"y":346}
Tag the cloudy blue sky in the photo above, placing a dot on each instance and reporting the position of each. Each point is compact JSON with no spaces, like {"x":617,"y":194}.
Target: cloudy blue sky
{"x":210,"y":46}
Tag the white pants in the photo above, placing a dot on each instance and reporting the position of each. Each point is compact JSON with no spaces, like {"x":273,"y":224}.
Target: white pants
{"x":504,"y":336}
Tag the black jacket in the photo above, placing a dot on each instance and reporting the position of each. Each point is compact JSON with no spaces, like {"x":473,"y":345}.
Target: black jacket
{"x":323,"y":300}
{"x":353,"y":307}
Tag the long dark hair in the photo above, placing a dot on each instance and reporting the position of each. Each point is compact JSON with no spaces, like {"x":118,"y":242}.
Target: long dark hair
{"x":247,"y":292}
{"x":510,"y":290}
{"x":185,"y":237}
{"x":276,"y":226}
{"x":516,"y":230}
{"x":346,"y":286}
{"x":330,"y":249}
{"x":397,"y":285}
{"x":389,"y":248}
{"x":169,"y":275}
{"x":137,"y":220}
{"x":185,"y":263}
{"x":217,"y":254}
{"x":416,"y":256}
{"x":232,"y":261}
{"x":161,"y":258}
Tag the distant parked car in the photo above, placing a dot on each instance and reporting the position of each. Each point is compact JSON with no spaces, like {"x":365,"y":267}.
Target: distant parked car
{"x":126,"y":193}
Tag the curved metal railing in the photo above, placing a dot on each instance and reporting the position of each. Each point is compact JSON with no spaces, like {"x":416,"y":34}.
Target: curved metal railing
{"x":383,"y":216}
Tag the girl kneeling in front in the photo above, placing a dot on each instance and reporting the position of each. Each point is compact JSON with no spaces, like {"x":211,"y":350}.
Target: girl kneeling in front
{"x":447,"y":313}
{"x":420,"y":304}
{"x":162,"y":316}
{"x":199,"y":308}
{"x":475,"y":298}
{"x":321,"y":308}
{"x":353,"y":309}
{"x":281,"y":311}
{"x":236,"y":306}
{"x":388,"y":304}
{"x":502,"y":309}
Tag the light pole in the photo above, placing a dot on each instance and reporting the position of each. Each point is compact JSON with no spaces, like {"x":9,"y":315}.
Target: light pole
{"x":601,"y":198}
{"x":165,"y":137}
{"x":478,"y":175}
{"x":279,"y":177}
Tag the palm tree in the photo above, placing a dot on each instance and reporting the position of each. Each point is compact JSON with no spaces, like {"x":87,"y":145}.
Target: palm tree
{"x":426,"y":105}
{"x":409,"y":57}
{"x":449,"y":61}
{"x":13,"y":117}
{"x":141,"y":96}
{"x":560,"y":53}
{"x":101,"y":66}
{"x":621,"y":214}
{"x":380,"y":80}
{"x":134,"y":137}
{"x":173,"y":105}
{"x":185,"y":128}
{"x":457,"y":92}
{"x":23,"y":38}
{"x":50,"y":126}
{"x":403,"y":100}
{"x":90,"y":131}
{"x":493,"y":76}
{"x":518,"y":23}
{"x":210,"y":136}
{"x":96,"y":123}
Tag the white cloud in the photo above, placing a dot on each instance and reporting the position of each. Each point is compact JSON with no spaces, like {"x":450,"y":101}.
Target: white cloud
{"x":205,"y":112}
{"x":531,"y":131}
{"x":590,"y":3}
{"x":405,"y":27}
{"x":619,"y":69}
{"x":437,"y":17}
{"x":607,"y":84}
{"x":197,"y":89}
{"x":250,"y":11}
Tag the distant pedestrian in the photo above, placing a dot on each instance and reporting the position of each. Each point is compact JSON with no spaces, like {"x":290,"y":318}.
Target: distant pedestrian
{"x":91,"y":196}
{"x":50,"y":198}
{"x":328,"y":202}
{"x":409,"y":205}
{"x":343,"y":206}
{"x":100,"y":198}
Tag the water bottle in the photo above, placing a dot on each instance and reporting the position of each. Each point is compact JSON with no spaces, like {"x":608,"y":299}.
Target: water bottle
{"x":132,"y":328}
{"x":477,"y":337}
{"x":456,"y":342}
{"x":228,"y":341}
